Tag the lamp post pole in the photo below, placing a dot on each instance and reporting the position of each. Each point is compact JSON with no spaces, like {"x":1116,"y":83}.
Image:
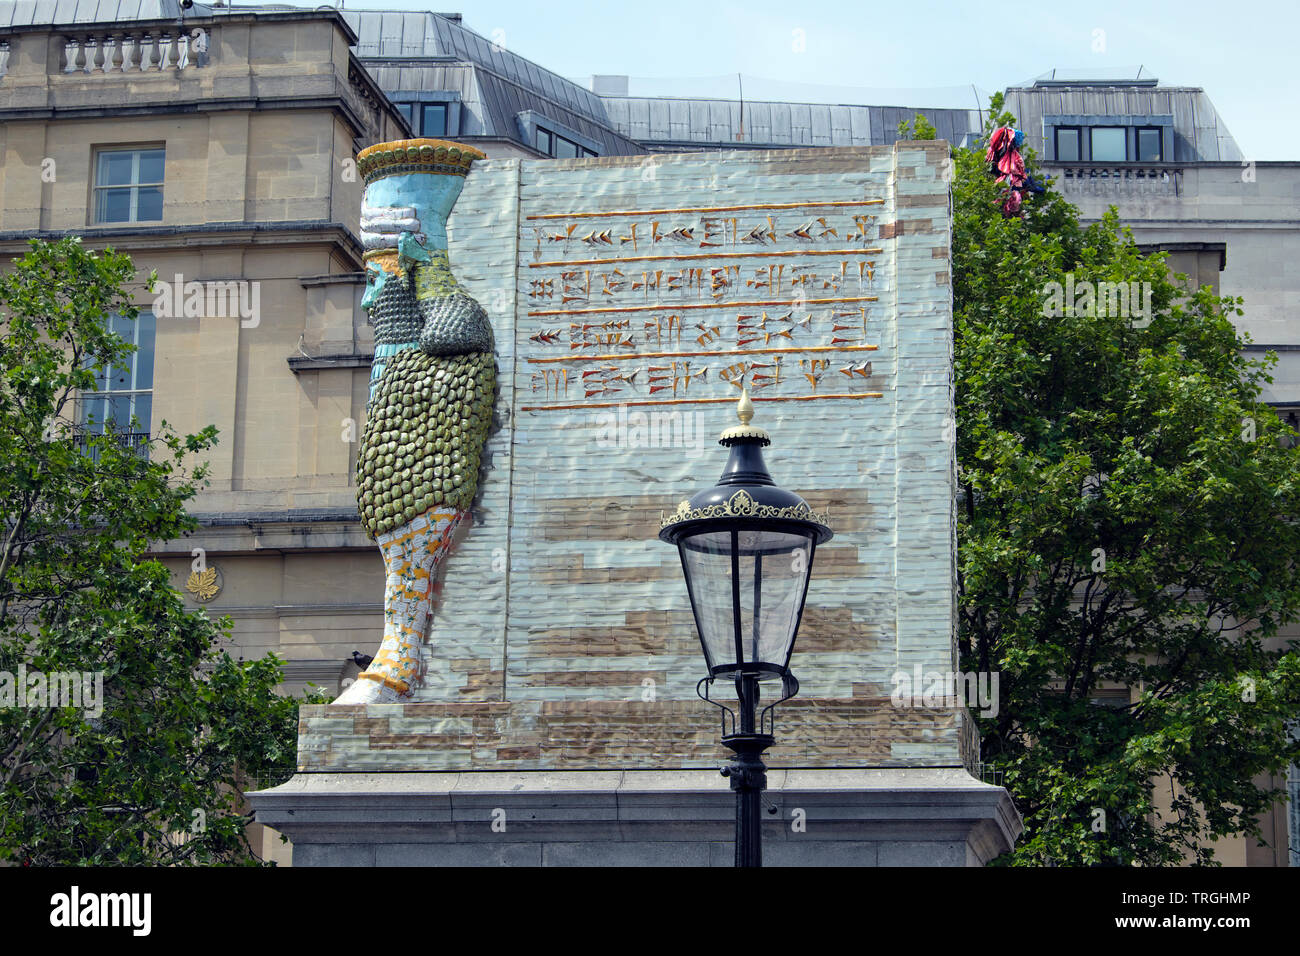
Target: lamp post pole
{"x":748,"y":774}
{"x":747,"y":549}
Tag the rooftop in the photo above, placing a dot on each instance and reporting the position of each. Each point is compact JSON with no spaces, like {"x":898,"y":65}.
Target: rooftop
{"x":504,"y":96}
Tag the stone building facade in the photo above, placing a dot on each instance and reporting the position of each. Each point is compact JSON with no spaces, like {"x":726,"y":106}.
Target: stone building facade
{"x":247,"y":149}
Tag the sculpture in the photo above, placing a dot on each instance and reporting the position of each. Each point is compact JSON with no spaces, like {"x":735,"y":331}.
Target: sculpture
{"x":432,"y":387}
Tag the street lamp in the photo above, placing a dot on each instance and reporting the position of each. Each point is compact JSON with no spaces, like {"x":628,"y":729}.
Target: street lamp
{"x":747,"y":550}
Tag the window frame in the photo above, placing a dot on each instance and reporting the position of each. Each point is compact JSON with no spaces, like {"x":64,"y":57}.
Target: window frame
{"x":134,"y":390}
{"x":1092,"y":153}
{"x":558,"y":139}
{"x":446,"y":119}
{"x":133,"y":188}
{"x":1078,"y":143}
{"x":411,"y":104}
{"x":553,"y":139}
{"x":1137,"y":143}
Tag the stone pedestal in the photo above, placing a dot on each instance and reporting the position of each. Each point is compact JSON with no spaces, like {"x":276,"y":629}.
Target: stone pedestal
{"x":885,"y":817}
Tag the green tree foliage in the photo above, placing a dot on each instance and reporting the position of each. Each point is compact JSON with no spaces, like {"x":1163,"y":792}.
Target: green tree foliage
{"x":155,"y":778}
{"x":1128,"y":522}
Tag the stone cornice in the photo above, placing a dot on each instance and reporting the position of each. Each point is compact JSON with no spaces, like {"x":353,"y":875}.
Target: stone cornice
{"x":291,"y":531}
{"x":195,"y":235}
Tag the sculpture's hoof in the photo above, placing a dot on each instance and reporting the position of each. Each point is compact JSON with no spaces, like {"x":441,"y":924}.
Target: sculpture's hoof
{"x":367,"y":691}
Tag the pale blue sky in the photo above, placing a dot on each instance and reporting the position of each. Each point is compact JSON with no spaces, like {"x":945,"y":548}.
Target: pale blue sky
{"x":914,"y":52}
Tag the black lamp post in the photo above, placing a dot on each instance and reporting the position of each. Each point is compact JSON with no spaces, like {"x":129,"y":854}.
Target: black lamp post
{"x":747,"y":550}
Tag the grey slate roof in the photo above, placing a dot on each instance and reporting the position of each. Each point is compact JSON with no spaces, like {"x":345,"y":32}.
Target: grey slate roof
{"x":14,"y":13}
{"x":425,"y":51}
{"x":672,"y":122}
{"x":388,"y":35}
{"x":408,"y":52}
{"x":1200,"y":134}
{"x":404,"y":52}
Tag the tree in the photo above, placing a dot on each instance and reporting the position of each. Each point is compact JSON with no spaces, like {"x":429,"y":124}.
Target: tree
{"x":149,"y":771}
{"x":1128,"y":522}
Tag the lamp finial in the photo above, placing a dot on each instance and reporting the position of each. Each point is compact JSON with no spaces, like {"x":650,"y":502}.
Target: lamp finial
{"x":744,"y":431}
{"x":744,"y":408}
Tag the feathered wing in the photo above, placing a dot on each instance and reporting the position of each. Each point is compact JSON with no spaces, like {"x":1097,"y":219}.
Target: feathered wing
{"x":424,"y":437}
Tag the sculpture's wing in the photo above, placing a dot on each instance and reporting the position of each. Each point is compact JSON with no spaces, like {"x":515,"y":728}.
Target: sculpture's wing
{"x":454,"y":325}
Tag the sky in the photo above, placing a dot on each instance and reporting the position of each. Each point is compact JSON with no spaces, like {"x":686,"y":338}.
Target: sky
{"x":914,"y":53}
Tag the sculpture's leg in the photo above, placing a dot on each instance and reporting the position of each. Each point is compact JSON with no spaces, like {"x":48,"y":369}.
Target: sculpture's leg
{"x":411,"y":553}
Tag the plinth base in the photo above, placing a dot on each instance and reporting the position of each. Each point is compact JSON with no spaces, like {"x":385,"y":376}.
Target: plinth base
{"x":885,"y":817}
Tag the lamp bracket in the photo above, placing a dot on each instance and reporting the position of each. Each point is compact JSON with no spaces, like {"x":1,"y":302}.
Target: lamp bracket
{"x":766,"y":717}
{"x":702,"y":690}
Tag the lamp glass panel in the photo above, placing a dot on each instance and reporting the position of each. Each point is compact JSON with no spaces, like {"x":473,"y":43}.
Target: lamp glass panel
{"x":773,"y":568}
{"x":707,"y":558}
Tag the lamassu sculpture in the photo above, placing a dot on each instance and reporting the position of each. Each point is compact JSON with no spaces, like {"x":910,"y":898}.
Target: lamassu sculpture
{"x":432,"y":389}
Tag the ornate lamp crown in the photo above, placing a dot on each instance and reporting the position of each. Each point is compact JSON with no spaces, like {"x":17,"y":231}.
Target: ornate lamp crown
{"x":741,"y":505}
{"x":745,"y":490}
{"x":416,"y":156}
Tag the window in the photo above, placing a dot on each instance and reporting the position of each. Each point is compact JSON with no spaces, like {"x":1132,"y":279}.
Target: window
{"x":433,"y":119}
{"x":1067,"y":144}
{"x":1148,"y":144}
{"x":565,"y":148}
{"x":553,"y":144}
{"x":125,"y":390}
{"x":1291,"y":419}
{"x":1108,"y":144}
{"x":427,"y":118}
{"x":129,"y":185}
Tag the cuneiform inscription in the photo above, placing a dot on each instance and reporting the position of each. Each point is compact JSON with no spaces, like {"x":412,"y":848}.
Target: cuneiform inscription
{"x":705,"y":232}
{"x":575,"y":290}
{"x":675,"y":304}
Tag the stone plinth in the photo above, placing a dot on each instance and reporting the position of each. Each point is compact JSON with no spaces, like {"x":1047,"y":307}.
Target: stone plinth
{"x":605,"y":734}
{"x":885,"y":817}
